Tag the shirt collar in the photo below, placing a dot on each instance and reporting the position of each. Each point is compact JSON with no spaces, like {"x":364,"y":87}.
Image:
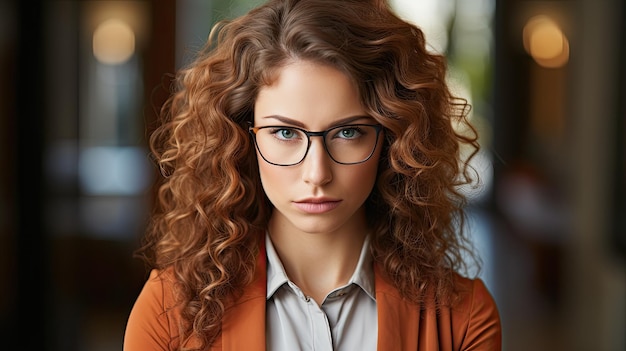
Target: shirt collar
{"x":363,"y":275}
{"x":276,"y":275}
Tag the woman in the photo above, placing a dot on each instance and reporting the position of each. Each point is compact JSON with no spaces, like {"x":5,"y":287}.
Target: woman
{"x":310,"y":193}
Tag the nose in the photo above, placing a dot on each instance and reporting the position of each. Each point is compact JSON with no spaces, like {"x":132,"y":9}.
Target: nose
{"x":316,"y":165}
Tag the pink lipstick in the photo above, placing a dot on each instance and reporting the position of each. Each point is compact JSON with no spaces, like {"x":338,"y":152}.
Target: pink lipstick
{"x":316,"y":205}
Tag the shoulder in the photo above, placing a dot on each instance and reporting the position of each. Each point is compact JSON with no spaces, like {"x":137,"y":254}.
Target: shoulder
{"x":155,"y":317}
{"x":471,"y":293}
{"x":473,"y":315}
{"x":470,"y":322}
{"x":159,"y":292}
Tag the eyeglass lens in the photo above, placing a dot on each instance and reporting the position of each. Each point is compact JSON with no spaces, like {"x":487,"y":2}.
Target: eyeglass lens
{"x":282,"y":145}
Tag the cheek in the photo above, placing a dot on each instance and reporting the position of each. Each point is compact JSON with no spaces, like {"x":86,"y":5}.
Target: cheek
{"x":271,"y":178}
{"x":370,"y":168}
{"x":363,"y":178}
{"x":368,"y":177}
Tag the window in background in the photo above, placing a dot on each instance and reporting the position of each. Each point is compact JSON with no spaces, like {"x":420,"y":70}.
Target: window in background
{"x":113,"y":165}
{"x":97,"y":159}
{"x":97,"y":172}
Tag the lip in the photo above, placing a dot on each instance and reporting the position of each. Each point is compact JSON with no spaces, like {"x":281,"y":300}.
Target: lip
{"x":316,"y":205}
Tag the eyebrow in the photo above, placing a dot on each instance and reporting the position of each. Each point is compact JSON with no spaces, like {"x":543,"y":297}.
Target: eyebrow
{"x":297,"y":123}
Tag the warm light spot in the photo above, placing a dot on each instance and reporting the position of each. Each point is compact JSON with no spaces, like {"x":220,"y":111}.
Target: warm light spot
{"x":545,"y":42}
{"x":113,"y":42}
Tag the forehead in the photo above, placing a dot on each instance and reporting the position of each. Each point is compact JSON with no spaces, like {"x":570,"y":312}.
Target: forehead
{"x":313,"y":94}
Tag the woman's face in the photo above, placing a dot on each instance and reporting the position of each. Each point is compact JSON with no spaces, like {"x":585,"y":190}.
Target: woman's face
{"x":317,"y":195}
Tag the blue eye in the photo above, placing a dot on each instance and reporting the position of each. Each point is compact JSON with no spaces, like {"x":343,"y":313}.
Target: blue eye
{"x":285,"y":133}
{"x":349,"y":133}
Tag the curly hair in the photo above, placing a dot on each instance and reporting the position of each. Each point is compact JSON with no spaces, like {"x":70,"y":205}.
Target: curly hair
{"x":212,"y":210}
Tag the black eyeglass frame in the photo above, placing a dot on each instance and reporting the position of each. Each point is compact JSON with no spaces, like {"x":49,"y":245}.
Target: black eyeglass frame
{"x":253,"y":130}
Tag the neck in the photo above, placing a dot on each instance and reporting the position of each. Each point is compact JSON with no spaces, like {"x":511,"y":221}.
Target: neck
{"x":318,"y":262}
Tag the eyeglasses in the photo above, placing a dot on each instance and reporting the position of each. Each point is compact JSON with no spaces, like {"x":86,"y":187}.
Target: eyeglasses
{"x":287,"y":146}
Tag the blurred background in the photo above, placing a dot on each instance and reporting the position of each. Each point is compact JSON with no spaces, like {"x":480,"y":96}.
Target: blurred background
{"x":80,"y":82}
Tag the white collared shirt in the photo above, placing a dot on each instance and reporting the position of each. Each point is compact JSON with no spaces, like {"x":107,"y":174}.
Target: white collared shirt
{"x":347,"y":319}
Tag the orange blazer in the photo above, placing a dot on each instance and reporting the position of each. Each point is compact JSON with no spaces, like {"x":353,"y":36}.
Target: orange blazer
{"x":471,"y":324}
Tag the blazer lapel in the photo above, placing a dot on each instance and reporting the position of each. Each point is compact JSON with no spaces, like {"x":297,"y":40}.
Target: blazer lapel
{"x":398,"y":319}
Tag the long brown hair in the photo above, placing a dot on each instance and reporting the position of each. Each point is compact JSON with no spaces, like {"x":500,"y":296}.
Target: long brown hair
{"x":211,"y":206}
